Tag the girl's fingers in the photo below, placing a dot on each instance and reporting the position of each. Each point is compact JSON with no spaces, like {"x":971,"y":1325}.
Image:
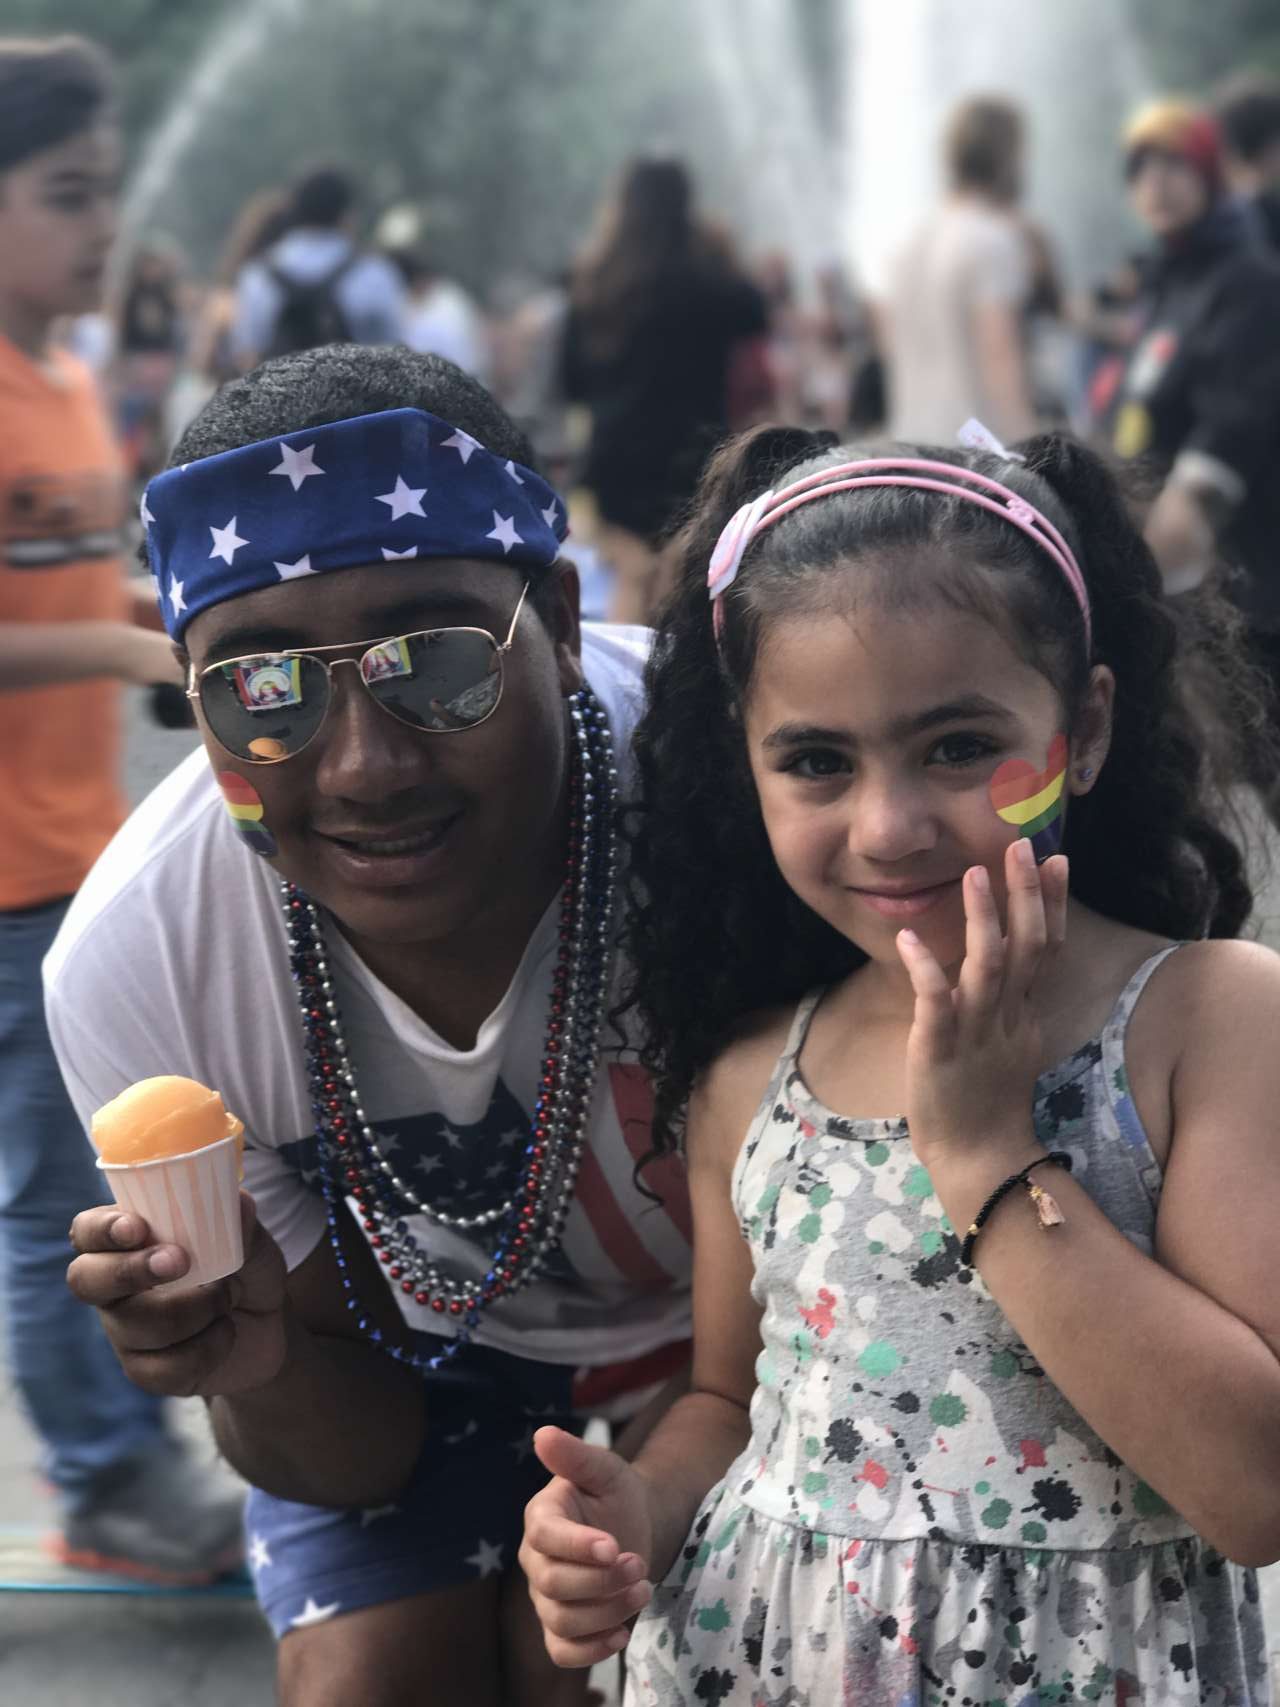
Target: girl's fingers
{"x":1054,"y":881}
{"x":580,"y":1620}
{"x":559,"y":1537}
{"x":585,"y":1582}
{"x":1028,"y":931}
{"x":935,"y":1015}
{"x":982,"y":976}
{"x":574,"y":1656}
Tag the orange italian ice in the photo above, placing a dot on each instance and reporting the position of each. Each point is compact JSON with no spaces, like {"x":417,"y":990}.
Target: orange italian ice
{"x":166,"y":1116}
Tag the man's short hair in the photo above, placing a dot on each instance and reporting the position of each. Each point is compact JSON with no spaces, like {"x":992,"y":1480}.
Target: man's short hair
{"x":322,"y":197}
{"x":50,"y":91}
{"x":1248,"y":109}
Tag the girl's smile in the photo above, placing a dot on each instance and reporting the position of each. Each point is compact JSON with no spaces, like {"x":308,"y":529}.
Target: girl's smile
{"x":905,"y":902}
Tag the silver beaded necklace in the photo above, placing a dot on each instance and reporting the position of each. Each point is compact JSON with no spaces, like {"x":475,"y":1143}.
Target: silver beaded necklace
{"x":531,"y":1221}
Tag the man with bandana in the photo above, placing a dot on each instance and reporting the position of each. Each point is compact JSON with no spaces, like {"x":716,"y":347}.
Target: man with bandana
{"x":379,"y":915}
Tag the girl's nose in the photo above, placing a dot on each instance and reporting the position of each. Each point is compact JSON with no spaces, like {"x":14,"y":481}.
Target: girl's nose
{"x":890,"y":821}
{"x":366,"y":754}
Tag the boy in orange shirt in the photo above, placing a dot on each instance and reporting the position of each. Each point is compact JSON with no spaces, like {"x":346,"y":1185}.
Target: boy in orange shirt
{"x":130,"y":1498}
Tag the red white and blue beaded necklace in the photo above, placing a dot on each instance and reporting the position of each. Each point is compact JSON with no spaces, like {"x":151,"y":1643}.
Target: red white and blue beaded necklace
{"x":528,"y":1224}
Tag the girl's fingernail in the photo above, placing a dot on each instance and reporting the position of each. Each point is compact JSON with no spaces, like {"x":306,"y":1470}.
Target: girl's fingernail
{"x":909,"y":937}
{"x":1024,"y":853}
{"x":981,"y":882}
{"x":603,"y":1552}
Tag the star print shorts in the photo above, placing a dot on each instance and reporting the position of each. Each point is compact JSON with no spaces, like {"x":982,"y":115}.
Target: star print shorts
{"x":462,"y":1515}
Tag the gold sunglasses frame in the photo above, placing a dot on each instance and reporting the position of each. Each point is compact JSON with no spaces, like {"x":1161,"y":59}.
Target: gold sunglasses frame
{"x":501,"y":648}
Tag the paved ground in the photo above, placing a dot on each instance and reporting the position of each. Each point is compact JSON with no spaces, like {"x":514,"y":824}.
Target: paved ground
{"x":66,"y":1650}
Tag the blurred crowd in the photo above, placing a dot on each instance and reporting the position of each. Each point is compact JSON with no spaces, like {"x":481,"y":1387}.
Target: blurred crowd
{"x":662,"y":333}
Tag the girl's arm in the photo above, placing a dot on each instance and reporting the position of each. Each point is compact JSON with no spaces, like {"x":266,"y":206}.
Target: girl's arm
{"x":1175,"y":1362}
{"x":604,"y":1531}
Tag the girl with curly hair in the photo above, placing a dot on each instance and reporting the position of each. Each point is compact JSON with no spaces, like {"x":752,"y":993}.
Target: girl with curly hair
{"x":979,"y":1132}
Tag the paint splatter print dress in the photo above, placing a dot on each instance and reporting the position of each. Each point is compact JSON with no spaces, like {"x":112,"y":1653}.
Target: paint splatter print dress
{"x":920,"y":1518}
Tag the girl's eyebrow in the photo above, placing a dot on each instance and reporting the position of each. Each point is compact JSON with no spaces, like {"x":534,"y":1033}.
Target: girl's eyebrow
{"x":967,"y":708}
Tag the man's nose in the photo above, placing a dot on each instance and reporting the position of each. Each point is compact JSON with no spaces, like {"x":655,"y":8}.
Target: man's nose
{"x":367,"y":754}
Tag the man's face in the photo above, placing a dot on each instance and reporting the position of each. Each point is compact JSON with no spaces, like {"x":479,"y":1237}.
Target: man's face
{"x":57,"y":224}
{"x":405,"y":836}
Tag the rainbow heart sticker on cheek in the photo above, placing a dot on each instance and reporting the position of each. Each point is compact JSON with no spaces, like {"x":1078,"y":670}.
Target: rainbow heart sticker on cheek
{"x":1034,"y":801}
{"x":244,"y":803}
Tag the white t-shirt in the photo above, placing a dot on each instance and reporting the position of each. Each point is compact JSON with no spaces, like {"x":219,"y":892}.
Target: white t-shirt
{"x":173,"y":959}
{"x":965,"y":257}
{"x":442,"y":320}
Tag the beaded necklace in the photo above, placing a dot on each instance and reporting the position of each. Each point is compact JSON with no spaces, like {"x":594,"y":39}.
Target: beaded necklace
{"x":529,"y":1223}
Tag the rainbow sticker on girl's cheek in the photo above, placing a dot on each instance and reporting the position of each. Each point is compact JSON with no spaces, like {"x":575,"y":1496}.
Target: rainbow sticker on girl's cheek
{"x":244,"y":804}
{"x":1033,"y":801}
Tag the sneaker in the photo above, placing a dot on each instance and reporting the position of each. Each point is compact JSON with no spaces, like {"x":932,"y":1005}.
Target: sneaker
{"x":161,"y":1517}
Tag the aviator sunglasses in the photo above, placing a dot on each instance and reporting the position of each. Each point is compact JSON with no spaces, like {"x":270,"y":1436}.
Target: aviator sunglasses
{"x":270,"y":705}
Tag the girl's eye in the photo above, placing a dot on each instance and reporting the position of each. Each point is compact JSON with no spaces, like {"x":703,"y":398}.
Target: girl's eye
{"x":960,"y":749}
{"x":69,"y":201}
{"x":817,"y":764}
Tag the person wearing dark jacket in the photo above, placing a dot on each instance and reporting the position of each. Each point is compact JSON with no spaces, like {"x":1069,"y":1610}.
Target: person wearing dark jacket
{"x":1248,"y":110}
{"x":1195,"y":393}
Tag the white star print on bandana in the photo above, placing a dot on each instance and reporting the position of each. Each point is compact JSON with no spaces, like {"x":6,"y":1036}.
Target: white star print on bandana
{"x":404,"y":500}
{"x":297,"y":465}
{"x":226,"y":541}
{"x":504,"y":531}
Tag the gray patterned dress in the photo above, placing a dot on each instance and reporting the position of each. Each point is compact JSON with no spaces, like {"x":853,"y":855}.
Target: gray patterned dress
{"x":920,"y":1519}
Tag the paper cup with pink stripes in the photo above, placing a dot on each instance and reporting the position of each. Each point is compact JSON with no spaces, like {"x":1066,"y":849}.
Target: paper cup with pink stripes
{"x":191,"y":1200}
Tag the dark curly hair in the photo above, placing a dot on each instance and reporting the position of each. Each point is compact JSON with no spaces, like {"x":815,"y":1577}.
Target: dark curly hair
{"x":715,"y":933}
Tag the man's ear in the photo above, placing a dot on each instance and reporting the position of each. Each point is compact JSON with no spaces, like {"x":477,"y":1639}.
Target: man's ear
{"x":565,"y":621}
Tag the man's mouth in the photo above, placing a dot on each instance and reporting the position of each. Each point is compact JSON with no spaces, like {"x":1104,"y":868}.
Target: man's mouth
{"x":392,"y":844}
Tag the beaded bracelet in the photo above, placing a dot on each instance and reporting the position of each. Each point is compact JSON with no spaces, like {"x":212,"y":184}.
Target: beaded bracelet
{"x":1046,"y":1208}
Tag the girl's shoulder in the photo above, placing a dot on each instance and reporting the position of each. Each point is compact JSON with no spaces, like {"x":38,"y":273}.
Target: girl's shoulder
{"x":728,"y":1094}
{"x":1206,"y":989}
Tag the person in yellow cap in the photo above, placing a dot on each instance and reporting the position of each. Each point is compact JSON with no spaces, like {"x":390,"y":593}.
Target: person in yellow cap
{"x":1194,"y":394}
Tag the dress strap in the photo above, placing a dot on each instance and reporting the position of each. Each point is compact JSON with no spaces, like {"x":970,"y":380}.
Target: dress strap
{"x":1118,"y":1023}
{"x":800,"y":1028}
{"x":1116,"y":1076}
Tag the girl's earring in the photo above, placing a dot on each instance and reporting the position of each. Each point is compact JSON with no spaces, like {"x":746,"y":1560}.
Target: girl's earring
{"x":1086,"y":775}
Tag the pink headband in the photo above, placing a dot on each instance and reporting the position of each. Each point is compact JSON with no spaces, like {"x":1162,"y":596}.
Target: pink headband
{"x":770,"y":507}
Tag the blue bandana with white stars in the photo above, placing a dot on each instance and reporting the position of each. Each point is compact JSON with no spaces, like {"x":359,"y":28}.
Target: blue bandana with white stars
{"x":374,"y":489}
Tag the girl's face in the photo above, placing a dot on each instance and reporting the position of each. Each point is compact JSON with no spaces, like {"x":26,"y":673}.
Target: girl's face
{"x":873,"y":740}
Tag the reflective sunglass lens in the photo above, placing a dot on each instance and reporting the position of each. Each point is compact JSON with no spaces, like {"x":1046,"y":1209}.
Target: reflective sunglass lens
{"x":267,"y":707}
{"x":443,"y":680}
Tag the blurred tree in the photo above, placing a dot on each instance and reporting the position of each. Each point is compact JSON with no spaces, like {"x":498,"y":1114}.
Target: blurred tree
{"x":150,"y":39}
{"x":1190,"y":45}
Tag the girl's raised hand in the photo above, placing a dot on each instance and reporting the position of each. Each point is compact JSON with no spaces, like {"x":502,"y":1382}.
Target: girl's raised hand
{"x":587,"y":1539}
{"x":973,"y":1053}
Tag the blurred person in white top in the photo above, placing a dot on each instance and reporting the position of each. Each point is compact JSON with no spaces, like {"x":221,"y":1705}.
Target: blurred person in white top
{"x":953,"y":320}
